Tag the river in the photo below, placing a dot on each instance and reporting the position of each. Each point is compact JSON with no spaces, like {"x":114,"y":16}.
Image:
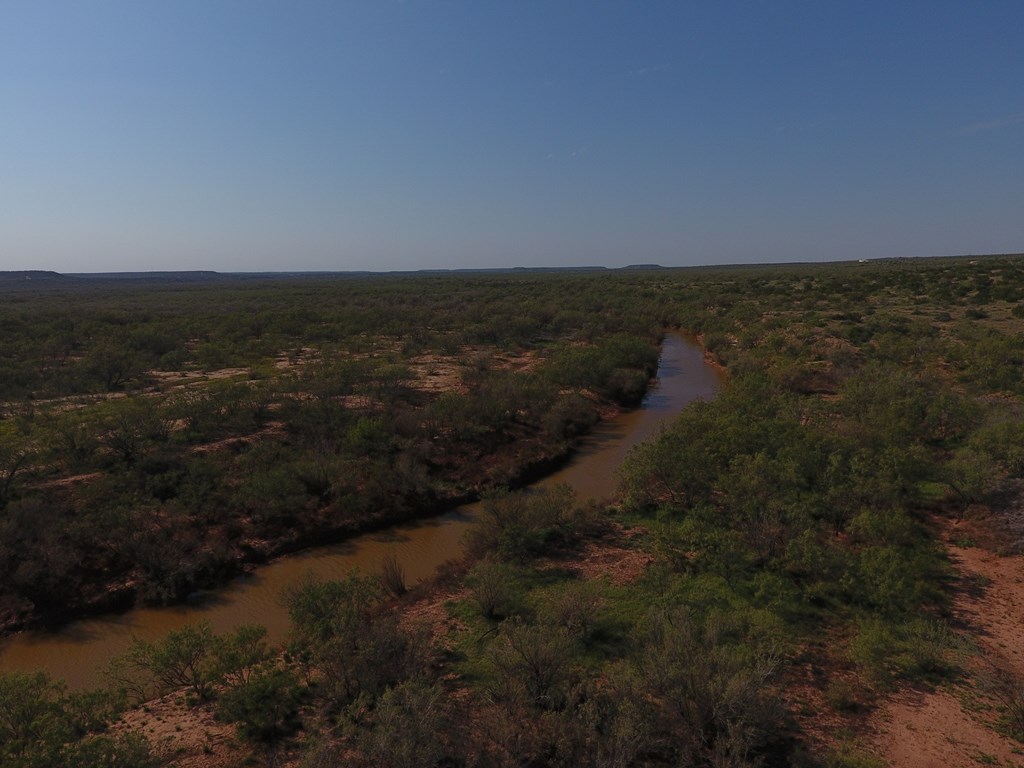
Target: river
{"x":78,"y":651}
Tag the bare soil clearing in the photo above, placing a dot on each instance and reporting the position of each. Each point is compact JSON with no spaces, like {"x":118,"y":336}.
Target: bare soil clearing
{"x":183,"y":736}
{"x":957,"y":728}
{"x":613,"y":556}
{"x":932,"y":729}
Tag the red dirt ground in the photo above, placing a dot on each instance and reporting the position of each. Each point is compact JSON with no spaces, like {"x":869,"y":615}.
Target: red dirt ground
{"x":956,"y":728}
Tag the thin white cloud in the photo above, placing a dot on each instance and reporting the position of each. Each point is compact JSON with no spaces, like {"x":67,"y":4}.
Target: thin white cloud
{"x":578,"y":152}
{"x":994,"y":125}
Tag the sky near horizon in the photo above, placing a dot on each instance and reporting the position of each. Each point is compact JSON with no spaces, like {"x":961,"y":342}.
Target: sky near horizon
{"x":247,"y":135}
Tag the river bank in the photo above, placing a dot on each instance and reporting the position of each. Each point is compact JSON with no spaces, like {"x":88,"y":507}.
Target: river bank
{"x":194,"y":516}
{"x":76,"y":650}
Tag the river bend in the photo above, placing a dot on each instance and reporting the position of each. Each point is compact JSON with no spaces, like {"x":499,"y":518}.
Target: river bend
{"x":78,"y":651}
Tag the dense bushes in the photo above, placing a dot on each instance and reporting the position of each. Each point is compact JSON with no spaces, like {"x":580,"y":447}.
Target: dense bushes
{"x":517,"y":526}
{"x":618,"y":368}
{"x":209,"y":414}
{"x":44,"y":726}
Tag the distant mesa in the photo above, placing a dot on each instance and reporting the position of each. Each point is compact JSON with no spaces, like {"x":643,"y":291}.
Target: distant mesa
{"x":643,"y":266}
{"x":29,"y":274}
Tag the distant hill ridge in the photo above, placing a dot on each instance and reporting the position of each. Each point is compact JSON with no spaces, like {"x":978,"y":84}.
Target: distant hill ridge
{"x":28,"y":278}
{"x":30,"y":274}
{"x":38,"y":276}
{"x":180,"y":276}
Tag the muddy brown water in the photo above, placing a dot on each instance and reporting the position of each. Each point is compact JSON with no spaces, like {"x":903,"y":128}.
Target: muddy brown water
{"x":78,"y":651}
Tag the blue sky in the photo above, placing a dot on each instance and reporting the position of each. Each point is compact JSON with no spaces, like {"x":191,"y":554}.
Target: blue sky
{"x":250,"y":135}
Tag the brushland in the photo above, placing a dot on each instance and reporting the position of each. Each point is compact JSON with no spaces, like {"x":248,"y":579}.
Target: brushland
{"x":773,"y":573}
{"x":158,"y":436}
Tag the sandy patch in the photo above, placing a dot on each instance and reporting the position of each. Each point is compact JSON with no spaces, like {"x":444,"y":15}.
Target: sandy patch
{"x":431,"y":614}
{"x":612,"y":561}
{"x":615,"y":557}
{"x":437,"y":374}
{"x":933,"y":730}
{"x":178,"y":379}
{"x":444,"y":373}
{"x":183,"y":736}
{"x":273,"y":430}
{"x":956,"y":729}
{"x":64,"y":482}
{"x":287,"y":360}
{"x":992,"y":603}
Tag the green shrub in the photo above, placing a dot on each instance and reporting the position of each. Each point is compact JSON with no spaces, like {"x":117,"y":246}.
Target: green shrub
{"x":265,"y":707}
{"x":183,"y":659}
{"x":521,"y":525}
{"x":408,"y":723}
{"x":533,"y":664}
{"x":346,"y":644}
{"x":919,"y":650}
{"x":492,"y":585}
{"x":42,"y":725}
